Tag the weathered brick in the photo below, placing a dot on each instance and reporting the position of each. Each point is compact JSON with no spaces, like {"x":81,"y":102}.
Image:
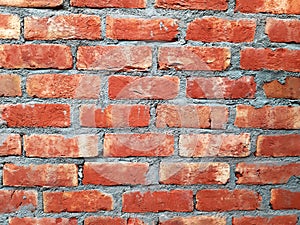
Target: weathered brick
{"x":194,"y":173}
{"x":112,"y":220}
{"x":9,"y":26}
{"x":272,"y":220}
{"x":214,"y":145}
{"x":205,"y":220}
{"x":268,"y":117}
{"x":63,"y":27}
{"x":42,"y":221}
{"x":290,"y":89}
{"x":115,"y":58}
{"x":227,"y":200}
{"x":213,"y":29}
{"x":77,"y":201}
{"x":194,"y":58}
{"x":280,"y":30}
{"x":149,"y":144}
{"x":268,"y":6}
{"x":34,"y":56}
{"x":158,"y":201}
{"x":10,"y":85}
{"x":63,"y":86}
{"x":266,"y":58}
{"x":115,"y":116}
{"x":196,"y":4}
{"x":49,"y":175}
{"x":132,"y":87}
{"x":115,"y":173}
{"x":47,"y":146}
{"x":110,"y":4}
{"x":32,"y":3}
{"x":16,"y":200}
{"x":278,"y":145}
{"x":191,"y":116}
{"x":220,"y":87}
{"x":37,"y":115}
{"x":266,"y":173}
{"x":282,"y":199}
{"x":10,"y":144}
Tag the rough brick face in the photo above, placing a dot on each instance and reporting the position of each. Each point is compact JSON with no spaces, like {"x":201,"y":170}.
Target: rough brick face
{"x":220,"y":88}
{"x":115,"y":116}
{"x":131,"y":87}
{"x":38,"y":115}
{"x":42,"y":221}
{"x":110,"y":4}
{"x":141,"y":29}
{"x":47,"y":146}
{"x":278,"y":59}
{"x":227,"y":200}
{"x":40,"y":175}
{"x":16,"y":200}
{"x":116,"y":58}
{"x":275,"y":220}
{"x":9,"y":26}
{"x":10,"y":85}
{"x":278,"y":145}
{"x":213,"y":29}
{"x":32,"y":3}
{"x":193,"y":58}
{"x":63,"y":86}
{"x":149,"y":144}
{"x":10,"y":144}
{"x":280,"y":30}
{"x":34,"y":56}
{"x":63,"y":27}
{"x":115,"y":173}
{"x":112,"y":220}
{"x":196,"y":4}
{"x":77,"y":201}
{"x":284,"y":199}
{"x":290,"y":89}
{"x":195,"y":220}
{"x":268,"y":117}
{"x":158,"y":201}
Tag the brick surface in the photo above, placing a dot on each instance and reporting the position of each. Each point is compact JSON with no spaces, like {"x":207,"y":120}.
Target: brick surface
{"x":9,"y":26}
{"x":290,"y":89}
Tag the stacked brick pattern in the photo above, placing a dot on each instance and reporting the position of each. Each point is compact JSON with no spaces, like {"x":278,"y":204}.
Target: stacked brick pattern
{"x":137,"y":112}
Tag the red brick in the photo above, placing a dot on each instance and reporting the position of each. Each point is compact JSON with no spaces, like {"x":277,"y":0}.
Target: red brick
{"x":280,"y":30}
{"x":266,"y":58}
{"x":158,"y":201}
{"x":115,"y":173}
{"x":42,"y":221}
{"x":105,"y":221}
{"x":132,"y":87}
{"x":268,"y":6}
{"x":135,"y":221}
{"x":16,"y":200}
{"x":205,"y":220}
{"x":162,"y":29}
{"x":266,"y":173}
{"x":115,"y":58}
{"x":194,"y":173}
{"x":285,"y":199}
{"x":220,"y":87}
{"x":32,"y":3}
{"x":191,"y":116}
{"x":10,"y":144}
{"x":196,"y":4}
{"x":47,"y":146}
{"x":194,"y":58}
{"x":63,"y":27}
{"x":34,"y":56}
{"x":10,"y":85}
{"x":213,"y":29}
{"x":214,"y":145}
{"x":115,"y":116}
{"x":110,"y":4}
{"x":63,"y":86}
{"x":149,"y":144}
{"x":37,"y":115}
{"x":40,"y":175}
{"x":77,"y":201}
{"x":274,"y":220}
{"x":278,"y":145}
{"x":268,"y":117}
{"x":290,"y":89}
{"x":9,"y":26}
{"x":227,"y":200}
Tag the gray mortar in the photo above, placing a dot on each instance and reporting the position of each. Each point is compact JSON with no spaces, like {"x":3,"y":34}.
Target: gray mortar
{"x":184,"y":17}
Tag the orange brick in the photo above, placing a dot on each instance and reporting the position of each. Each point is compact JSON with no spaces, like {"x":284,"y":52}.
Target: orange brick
{"x":290,"y":89}
{"x":9,"y":26}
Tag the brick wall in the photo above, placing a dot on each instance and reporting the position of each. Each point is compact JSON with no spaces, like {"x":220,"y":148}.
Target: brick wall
{"x":132,"y":112}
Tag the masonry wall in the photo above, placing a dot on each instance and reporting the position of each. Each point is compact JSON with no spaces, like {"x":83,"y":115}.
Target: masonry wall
{"x":151,"y":112}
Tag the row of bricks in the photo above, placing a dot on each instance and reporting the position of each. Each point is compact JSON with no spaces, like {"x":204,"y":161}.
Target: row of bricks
{"x":206,"y":29}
